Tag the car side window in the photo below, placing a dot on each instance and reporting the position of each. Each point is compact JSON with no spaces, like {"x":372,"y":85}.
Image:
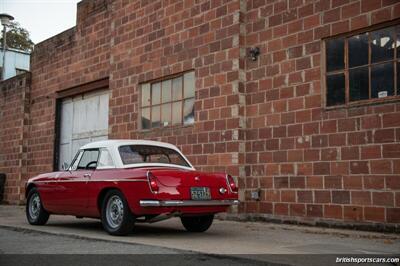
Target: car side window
{"x":105,"y":160}
{"x":89,"y":159}
{"x":74,"y":164}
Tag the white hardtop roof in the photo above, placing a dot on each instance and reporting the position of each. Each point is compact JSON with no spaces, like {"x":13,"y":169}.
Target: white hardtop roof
{"x":115,"y":143}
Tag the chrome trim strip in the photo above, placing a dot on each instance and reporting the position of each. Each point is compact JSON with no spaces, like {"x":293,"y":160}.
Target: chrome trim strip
{"x":185,"y":203}
{"x":149,"y":203}
{"x":86,"y":181}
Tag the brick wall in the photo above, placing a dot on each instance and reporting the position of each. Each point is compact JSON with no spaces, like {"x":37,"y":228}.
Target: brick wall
{"x":262,"y":121}
{"x":74,"y":57}
{"x":313,"y":164}
{"x":14,"y":119}
{"x":159,"y":38}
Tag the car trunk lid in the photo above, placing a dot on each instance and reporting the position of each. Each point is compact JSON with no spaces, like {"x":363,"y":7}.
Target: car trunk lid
{"x":187,"y":178}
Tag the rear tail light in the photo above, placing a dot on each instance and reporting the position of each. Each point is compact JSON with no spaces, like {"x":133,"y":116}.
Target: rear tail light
{"x":152,"y":182}
{"x":231,"y":184}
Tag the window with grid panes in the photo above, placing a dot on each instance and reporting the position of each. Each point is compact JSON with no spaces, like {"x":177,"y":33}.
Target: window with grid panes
{"x":168,"y":102}
{"x":363,"y":67}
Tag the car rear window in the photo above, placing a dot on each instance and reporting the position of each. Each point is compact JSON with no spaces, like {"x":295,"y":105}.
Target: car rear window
{"x":135,"y":154}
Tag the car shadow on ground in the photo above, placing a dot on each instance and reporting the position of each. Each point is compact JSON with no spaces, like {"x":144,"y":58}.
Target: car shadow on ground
{"x":140,"y":229}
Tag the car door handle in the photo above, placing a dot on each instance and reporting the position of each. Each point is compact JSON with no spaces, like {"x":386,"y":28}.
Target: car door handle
{"x":87,"y":175}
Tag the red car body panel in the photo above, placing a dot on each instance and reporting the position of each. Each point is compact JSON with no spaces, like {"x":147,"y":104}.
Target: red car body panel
{"x":79,"y":192}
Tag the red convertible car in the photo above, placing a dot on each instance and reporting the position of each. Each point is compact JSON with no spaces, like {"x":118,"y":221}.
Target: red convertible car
{"x":127,"y":181}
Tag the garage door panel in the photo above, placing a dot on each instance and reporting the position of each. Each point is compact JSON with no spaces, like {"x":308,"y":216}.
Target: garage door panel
{"x":84,"y":119}
{"x":79,"y":116}
{"x":92,"y":113}
{"x":103,"y":112}
{"x":65,"y":154}
{"x":66,"y":117}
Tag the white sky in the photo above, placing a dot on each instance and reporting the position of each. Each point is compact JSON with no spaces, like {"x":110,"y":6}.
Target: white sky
{"x":42,"y":18}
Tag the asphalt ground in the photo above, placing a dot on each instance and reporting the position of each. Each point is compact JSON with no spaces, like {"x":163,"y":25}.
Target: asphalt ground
{"x":25,"y":247}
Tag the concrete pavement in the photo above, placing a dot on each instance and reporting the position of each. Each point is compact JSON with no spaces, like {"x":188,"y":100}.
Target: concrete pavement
{"x":23,"y":247}
{"x":224,"y":237}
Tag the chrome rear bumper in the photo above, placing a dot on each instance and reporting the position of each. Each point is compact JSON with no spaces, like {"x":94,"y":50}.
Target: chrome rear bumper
{"x":187,"y":203}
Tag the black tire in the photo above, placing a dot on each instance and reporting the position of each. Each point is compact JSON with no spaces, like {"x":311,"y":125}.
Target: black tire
{"x":35,"y":212}
{"x":197,"y":223}
{"x":127,"y":221}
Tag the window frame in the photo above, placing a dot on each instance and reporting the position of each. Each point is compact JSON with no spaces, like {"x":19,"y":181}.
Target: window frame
{"x":101,"y":150}
{"x":370,"y":101}
{"x":179,"y":153}
{"x":171,"y":102}
{"x":78,"y":158}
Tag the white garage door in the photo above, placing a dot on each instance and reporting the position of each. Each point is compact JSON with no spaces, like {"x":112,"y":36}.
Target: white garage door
{"x":84,"y":118}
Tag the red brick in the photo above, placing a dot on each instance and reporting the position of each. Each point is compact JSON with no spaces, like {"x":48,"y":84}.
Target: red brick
{"x":322,"y":168}
{"x":333,"y":182}
{"x":393,"y":215}
{"x":346,"y":124}
{"x":359,"y":167}
{"x":374,"y":182}
{"x":340,"y":197}
{"x":328,"y":126}
{"x":281,"y":209}
{"x":271,"y":195}
{"x":352,"y":182}
{"x":391,"y":151}
{"x":322,"y":196}
{"x":353,"y":213}
{"x":297,"y":209}
{"x":297,"y":182}
{"x":368,"y":5}
{"x":329,"y":154}
{"x":381,"y":167}
{"x":266,"y":182}
{"x":381,"y":15}
{"x":384,"y":135}
{"x":251,"y":207}
{"x":266,"y":207}
{"x":314,"y":182}
{"x":361,"y":197}
{"x":340,"y":27}
{"x":396,"y":166}
{"x":397,"y":199}
{"x":281,"y":182}
{"x":383,"y":199}
{"x":393,"y":182}
{"x":310,"y":128}
{"x":331,"y":15}
{"x":306,"y":10}
{"x":350,"y":153}
{"x":375,"y":214}
{"x":357,"y":138}
{"x":339,"y":168}
{"x":391,"y":120}
{"x":359,"y":22}
{"x":351,"y":10}
{"x":304,"y":196}
{"x":314,"y":210}
{"x":333,"y":211}
{"x":373,"y":121}
{"x":371,"y":152}
{"x":337,"y":139}
{"x":288,"y":196}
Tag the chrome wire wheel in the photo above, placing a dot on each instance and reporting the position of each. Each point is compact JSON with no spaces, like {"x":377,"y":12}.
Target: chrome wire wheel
{"x":34,"y":206}
{"x":115,"y":211}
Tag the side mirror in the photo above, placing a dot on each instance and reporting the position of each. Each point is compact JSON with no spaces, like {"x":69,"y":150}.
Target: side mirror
{"x":64,"y":166}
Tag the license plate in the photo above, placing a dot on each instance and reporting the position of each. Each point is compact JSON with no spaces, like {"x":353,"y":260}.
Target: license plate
{"x":200,"y":193}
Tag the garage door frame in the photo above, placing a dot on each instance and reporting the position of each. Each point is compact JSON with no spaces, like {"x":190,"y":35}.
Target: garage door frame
{"x":100,"y":84}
